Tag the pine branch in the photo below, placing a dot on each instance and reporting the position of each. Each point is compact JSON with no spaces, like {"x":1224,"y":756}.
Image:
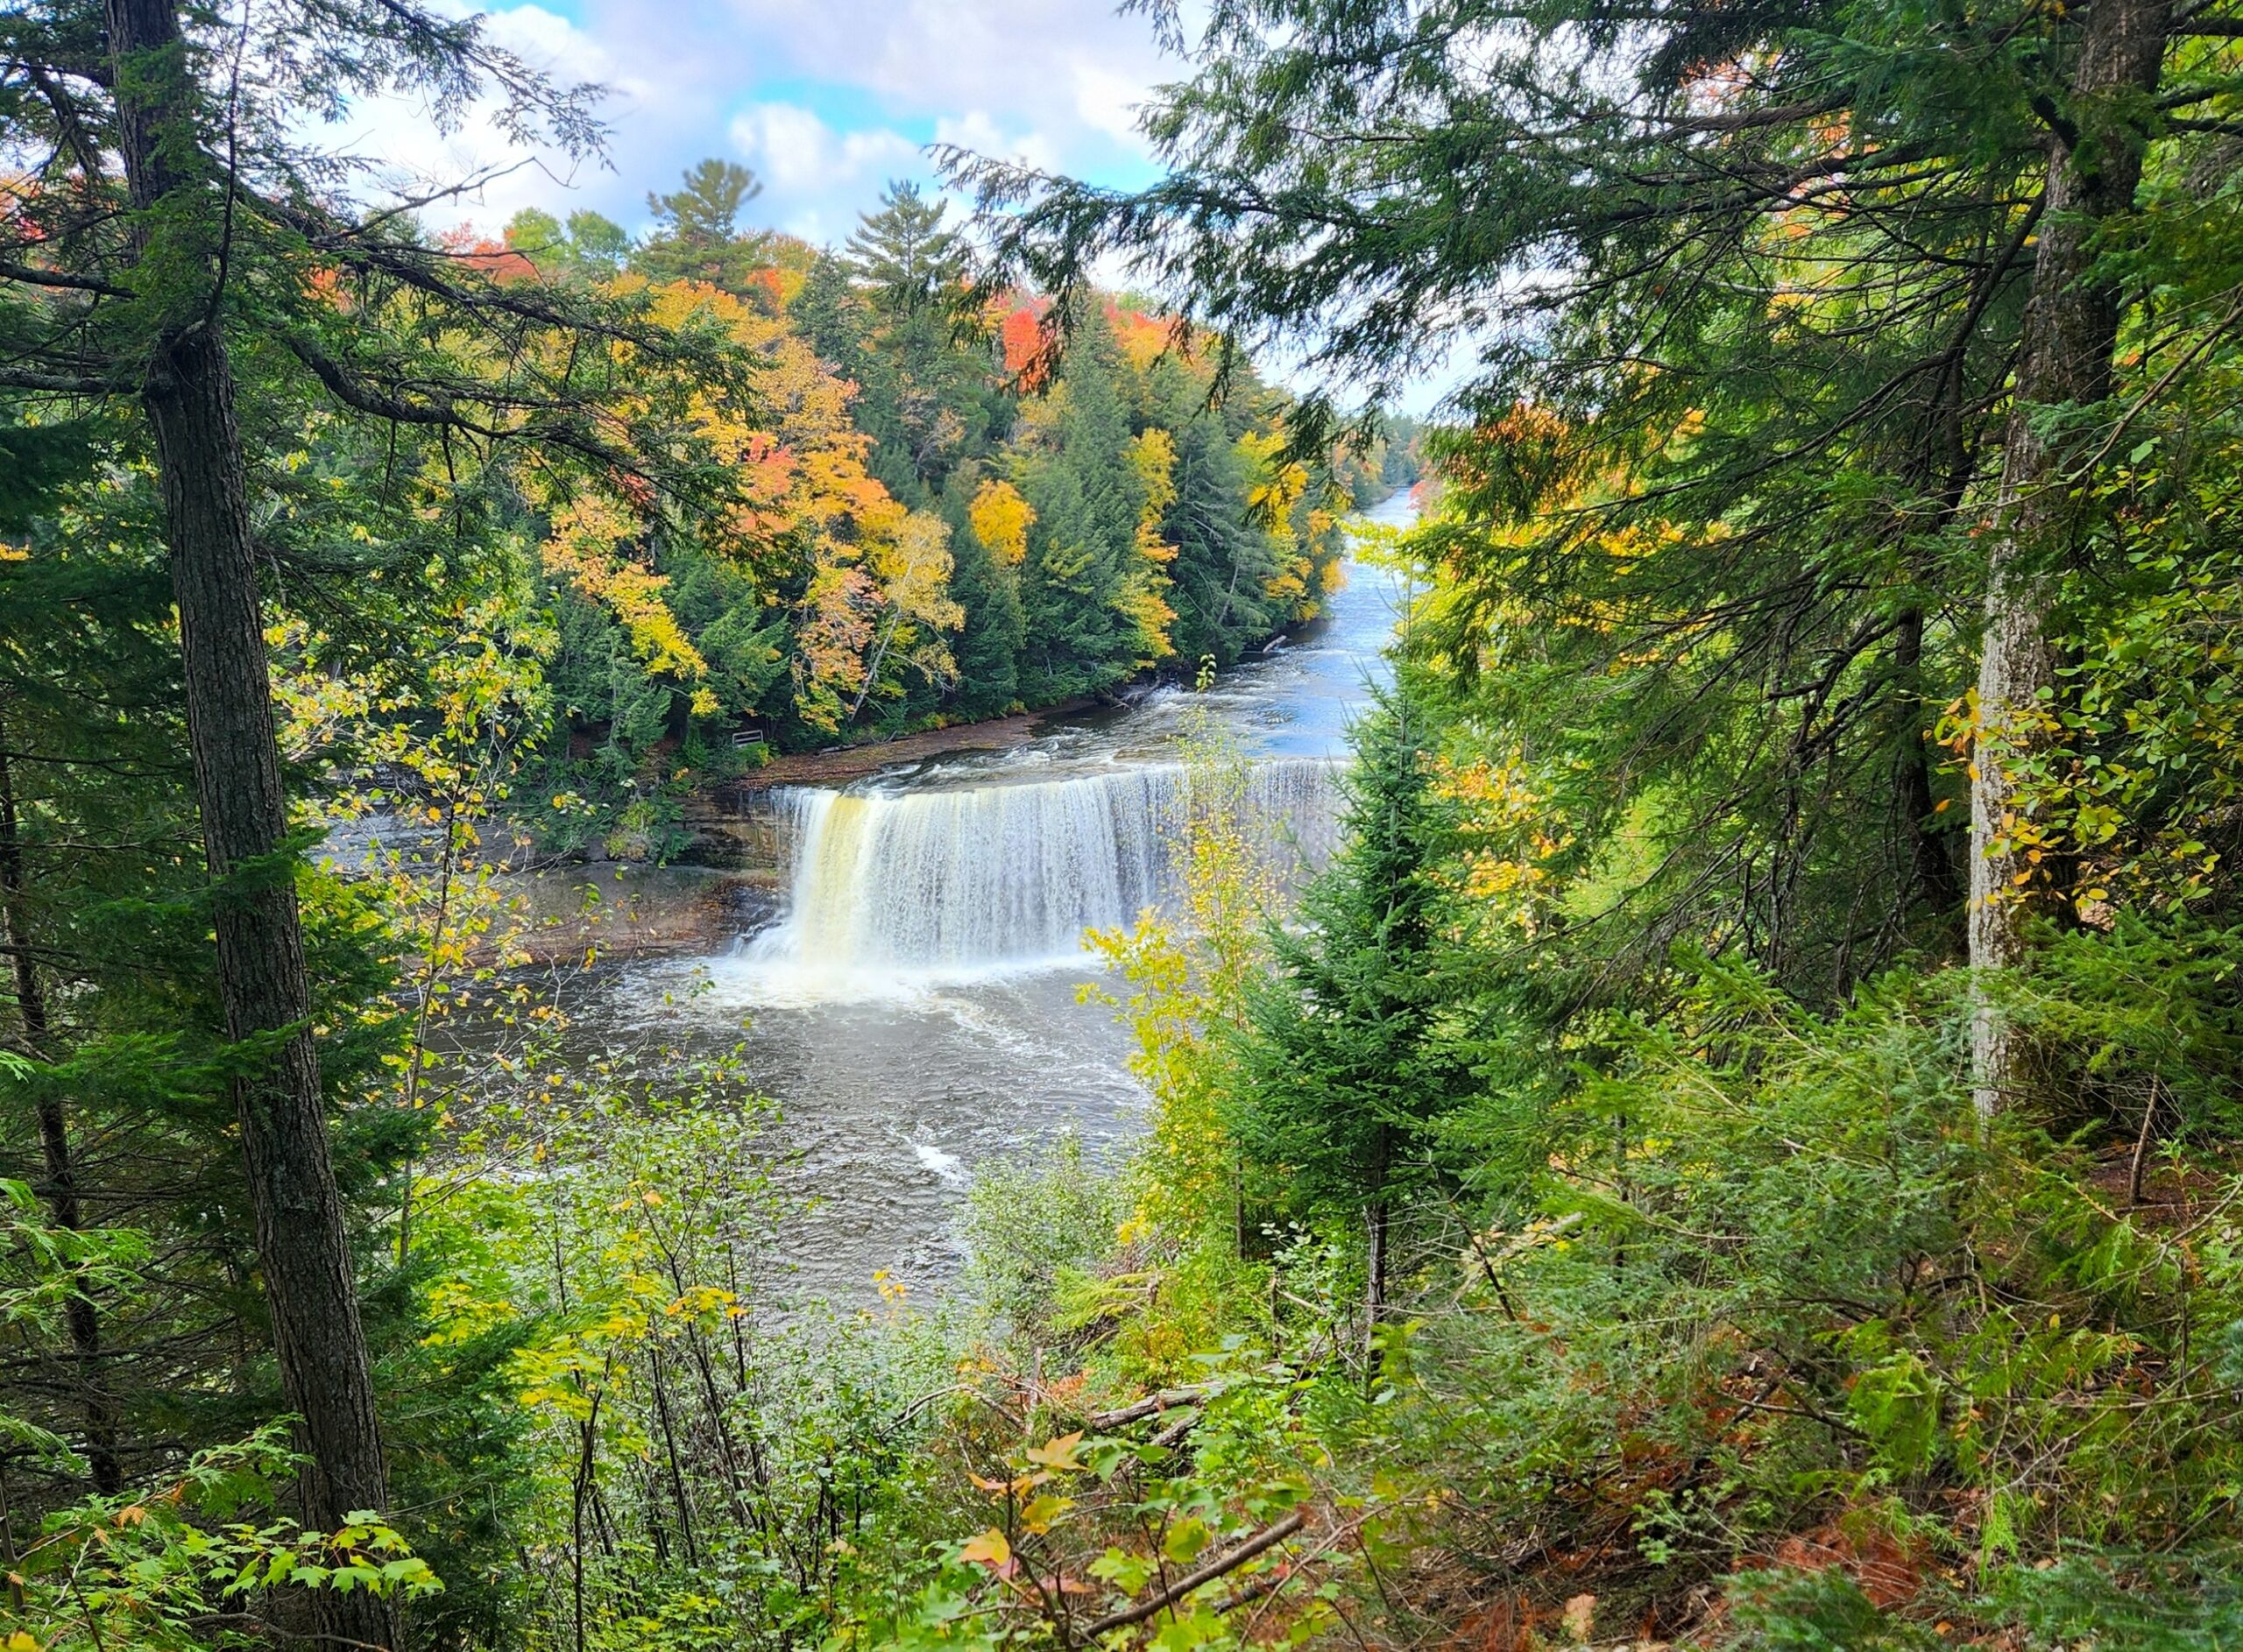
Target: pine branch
{"x":31,"y":275}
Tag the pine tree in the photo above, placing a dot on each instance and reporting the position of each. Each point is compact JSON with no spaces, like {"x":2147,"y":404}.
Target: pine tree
{"x":1224,"y":559}
{"x":832,"y":319}
{"x":903,"y":258}
{"x":697,"y":235}
{"x":987,"y":649}
{"x":1087,"y":498}
{"x":248,"y":266}
{"x":2065,"y":362}
{"x":927,"y":388}
{"x":1345,"y":1066}
{"x":85,"y":687}
{"x":1808,"y":467}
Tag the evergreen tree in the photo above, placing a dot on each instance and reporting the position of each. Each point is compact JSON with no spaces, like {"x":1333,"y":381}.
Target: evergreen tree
{"x":1347,"y":1067}
{"x":697,"y":235}
{"x":903,"y":258}
{"x":832,"y":319}
{"x":263,"y":300}
{"x":929,"y":391}
{"x":1086,"y":498}
{"x":987,"y":649}
{"x":942,"y":394}
{"x":743,"y":638}
{"x":604,"y":745}
{"x":1224,"y":559}
{"x":1808,"y":470}
{"x":837,"y":322}
{"x":88,"y":732}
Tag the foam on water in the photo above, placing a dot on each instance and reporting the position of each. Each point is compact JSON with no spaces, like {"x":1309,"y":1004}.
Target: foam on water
{"x":945,"y":1165}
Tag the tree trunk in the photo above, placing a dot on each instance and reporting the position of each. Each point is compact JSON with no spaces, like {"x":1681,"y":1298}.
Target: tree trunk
{"x":1375,"y":1217}
{"x":2070,"y":331}
{"x":60,"y":1190}
{"x":188,"y":395}
{"x":1932,"y":877}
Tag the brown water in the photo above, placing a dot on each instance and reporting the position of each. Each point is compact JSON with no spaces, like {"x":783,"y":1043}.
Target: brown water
{"x":914,"y":1007}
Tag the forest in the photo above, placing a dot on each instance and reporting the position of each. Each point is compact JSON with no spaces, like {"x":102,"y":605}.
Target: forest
{"x":1739,"y":1146}
{"x":928,"y":531}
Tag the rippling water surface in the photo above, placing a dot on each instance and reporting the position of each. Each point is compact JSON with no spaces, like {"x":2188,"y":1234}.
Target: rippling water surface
{"x":916,"y":1008}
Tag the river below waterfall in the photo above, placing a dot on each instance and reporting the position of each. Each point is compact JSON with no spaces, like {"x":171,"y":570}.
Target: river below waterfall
{"x":914,"y":1008}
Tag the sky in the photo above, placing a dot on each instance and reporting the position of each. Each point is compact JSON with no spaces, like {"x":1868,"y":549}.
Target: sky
{"x":826,"y":100}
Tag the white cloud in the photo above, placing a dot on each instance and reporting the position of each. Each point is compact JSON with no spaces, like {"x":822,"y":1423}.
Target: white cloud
{"x":800,"y":151}
{"x":825,"y":98}
{"x":411,"y":155}
{"x":935,"y":56}
{"x":1107,"y":100}
{"x":808,"y":169}
{"x":979,"y":130}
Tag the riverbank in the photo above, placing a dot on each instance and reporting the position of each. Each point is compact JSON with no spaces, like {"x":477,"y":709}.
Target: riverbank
{"x":733,"y":824}
{"x":839,"y":764}
{"x":577,"y":911}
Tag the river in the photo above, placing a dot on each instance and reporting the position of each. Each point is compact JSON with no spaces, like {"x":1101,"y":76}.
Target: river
{"x":914,"y":1008}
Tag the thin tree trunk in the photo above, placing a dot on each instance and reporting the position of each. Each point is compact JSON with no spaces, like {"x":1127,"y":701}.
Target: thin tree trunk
{"x":1375,"y":1217}
{"x":1932,"y":875}
{"x":79,"y":1314}
{"x":1375,"y":1224}
{"x":188,"y":395}
{"x":2072,"y":327}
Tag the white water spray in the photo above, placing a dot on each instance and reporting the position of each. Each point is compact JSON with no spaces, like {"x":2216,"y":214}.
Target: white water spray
{"x":1008,"y":874}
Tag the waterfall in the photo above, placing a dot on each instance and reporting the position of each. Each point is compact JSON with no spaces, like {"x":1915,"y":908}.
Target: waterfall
{"x":1008,"y":873}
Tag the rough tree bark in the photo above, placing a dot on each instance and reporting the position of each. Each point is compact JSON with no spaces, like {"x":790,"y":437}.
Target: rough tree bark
{"x":60,"y":1187}
{"x":2070,"y":331}
{"x":188,"y":395}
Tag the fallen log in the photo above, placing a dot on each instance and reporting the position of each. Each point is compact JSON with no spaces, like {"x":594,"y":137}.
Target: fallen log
{"x":1230,"y":1560}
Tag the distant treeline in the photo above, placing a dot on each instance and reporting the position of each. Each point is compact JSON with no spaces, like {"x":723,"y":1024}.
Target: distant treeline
{"x":957,"y":517}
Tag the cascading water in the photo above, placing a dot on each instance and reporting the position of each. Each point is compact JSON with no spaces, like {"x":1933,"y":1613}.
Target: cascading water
{"x":904,"y":1012}
{"x":938,"y":880}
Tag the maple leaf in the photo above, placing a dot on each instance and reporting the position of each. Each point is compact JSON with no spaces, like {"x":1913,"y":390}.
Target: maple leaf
{"x":987,"y":1549}
{"x":1059,"y":1453}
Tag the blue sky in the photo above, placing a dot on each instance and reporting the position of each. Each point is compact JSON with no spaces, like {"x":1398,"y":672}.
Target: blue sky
{"x":826,"y":99}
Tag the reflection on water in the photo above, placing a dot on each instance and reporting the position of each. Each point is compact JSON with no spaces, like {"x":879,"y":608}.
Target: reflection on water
{"x":918,"y":1008}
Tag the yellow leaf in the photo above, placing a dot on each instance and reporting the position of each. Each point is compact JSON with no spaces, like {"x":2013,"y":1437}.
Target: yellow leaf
{"x":1185,"y":1540}
{"x":1059,"y":1453}
{"x":1001,"y":519}
{"x":988,"y":1549}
